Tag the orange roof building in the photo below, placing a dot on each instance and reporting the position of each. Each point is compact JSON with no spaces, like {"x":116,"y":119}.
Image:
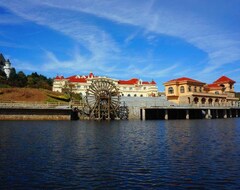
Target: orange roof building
{"x":187,"y":91}
{"x":133,"y":87}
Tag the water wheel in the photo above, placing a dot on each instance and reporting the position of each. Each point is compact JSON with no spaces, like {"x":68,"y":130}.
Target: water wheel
{"x":102,"y":98}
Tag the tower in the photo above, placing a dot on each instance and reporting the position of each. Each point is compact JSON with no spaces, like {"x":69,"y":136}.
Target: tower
{"x":7,"y":68}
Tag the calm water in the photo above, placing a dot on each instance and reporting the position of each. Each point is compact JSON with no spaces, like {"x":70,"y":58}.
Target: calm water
{"x":180,"y":154}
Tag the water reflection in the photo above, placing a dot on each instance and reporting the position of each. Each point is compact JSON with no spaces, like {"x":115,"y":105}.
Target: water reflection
{"x":120,"y":154}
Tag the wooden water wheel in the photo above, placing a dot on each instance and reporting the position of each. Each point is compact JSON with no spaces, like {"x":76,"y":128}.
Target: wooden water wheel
{"x":102,"y":98}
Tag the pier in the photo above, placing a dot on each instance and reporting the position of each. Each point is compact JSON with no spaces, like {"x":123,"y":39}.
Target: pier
{"x":168,"y":113}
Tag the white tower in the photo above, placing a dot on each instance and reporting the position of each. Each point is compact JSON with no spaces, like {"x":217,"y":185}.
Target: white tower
{"x":7,"y":68}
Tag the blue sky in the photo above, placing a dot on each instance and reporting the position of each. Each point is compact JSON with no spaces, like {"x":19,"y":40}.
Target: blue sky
{"x":122,"y":39}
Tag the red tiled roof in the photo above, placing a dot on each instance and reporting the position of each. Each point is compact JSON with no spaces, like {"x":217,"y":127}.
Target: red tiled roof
{"x":213,"y":86}
{"x":152,"y":82}
{"x":131,"y":81}
{"x":184,"y":79}
{"x":91,"y":75}
{"x":224,"y":79}
{"x":134,"y":81}
{"x":77,"y":78}
{"x":59,"y":77}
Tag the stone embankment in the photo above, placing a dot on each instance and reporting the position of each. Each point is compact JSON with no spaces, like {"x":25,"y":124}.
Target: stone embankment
{"x":35,"y":111}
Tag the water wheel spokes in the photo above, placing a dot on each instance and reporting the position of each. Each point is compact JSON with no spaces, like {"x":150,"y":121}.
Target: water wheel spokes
{"x":102,"y":97}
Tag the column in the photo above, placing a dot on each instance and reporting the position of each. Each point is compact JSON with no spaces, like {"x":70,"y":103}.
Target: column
{"x":166,"y":114}
{"x":187,"y":114}
{"x":216,"y":113}
{"x":143,"y":114}
{"x":208,"y":115}
{"x":225,"y":113}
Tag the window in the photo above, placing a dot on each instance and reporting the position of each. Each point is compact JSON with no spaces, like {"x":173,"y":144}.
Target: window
{"x":135,"y":95}
{"x":182,"y":90}
{"x":189,"y":88}
{"x":141,"y":95}
{"x":216,"y":92}
{"x":195,"y":89}
{"x":170,"y":90}
{"x":130,"y":88}
{"x":129,"y":95}
{"x":200,"y":89}
{"x":144,"y":88}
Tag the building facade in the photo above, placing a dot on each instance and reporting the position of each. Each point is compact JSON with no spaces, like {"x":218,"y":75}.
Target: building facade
{"x":5,"y":65}
{"x":131,"y":88}
{"x":187,"y":91}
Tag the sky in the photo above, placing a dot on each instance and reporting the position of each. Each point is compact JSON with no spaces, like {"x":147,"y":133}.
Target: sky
{"x":155,"y":40}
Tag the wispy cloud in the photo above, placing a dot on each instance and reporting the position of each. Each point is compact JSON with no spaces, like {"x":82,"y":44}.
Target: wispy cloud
{"x":164,"y":20}
{"x":220,"y":43}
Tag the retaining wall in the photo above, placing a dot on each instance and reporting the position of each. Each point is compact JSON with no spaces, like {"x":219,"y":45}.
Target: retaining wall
{"x":34,"y":114}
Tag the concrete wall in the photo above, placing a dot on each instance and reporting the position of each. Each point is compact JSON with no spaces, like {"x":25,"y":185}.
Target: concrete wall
{"x":135,"y":103}
{"x":34,"y":114}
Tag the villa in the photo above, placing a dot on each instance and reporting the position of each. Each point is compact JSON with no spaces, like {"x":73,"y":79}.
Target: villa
{"x":187,"y":91}
{"x":131,"y":88}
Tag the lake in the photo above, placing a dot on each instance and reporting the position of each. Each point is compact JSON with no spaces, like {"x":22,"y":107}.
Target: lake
{"x":174,"y":154}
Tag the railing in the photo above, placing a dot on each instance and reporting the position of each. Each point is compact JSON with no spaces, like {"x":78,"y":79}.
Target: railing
{"x":210,"y":105}
{"x":22,"y":104}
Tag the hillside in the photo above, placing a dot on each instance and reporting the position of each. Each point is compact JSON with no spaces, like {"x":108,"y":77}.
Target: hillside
{"x":28,"y":95}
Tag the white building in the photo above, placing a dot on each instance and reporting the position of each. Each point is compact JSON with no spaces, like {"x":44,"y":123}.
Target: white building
{"x":131,"y":88}
{"x":5,"y":65}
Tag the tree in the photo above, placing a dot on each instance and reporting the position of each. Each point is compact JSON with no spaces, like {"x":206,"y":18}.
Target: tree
{"x":38,"y":81}
{"x":22,"y":79}
{"x":13,"y":78}
{"x":3,"y":77}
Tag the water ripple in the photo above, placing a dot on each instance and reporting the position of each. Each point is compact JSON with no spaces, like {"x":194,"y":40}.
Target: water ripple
{"x":194,"y":154}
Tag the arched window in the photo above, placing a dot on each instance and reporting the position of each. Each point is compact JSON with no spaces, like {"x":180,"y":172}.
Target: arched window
{"x":195,"y":100}
{"x":170,"y":90}
{"x":135,"y":95}
{"x":182,"y":90}
{"x":141,"y":95}
{"x":203,"y":100}
{"x":189,"y":88}
{"x":129,"y":95}
{"x":122,"y":94}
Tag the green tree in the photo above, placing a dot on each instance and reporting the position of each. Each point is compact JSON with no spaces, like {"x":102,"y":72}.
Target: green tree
{"x":3,"y":77}
{"x":13,"y":78}
{"x":22,"y":79}
{"x":38,"y":81}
